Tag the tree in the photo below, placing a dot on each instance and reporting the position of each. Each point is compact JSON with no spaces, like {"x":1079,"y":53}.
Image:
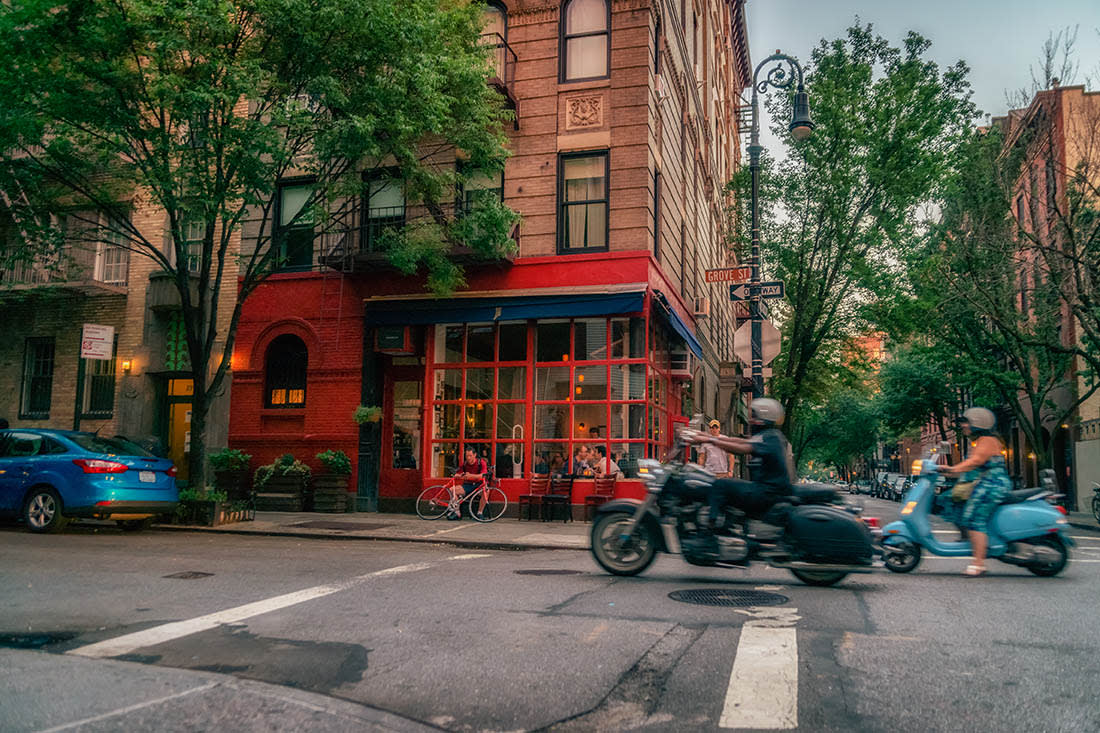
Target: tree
{"x":846,"y":199}
{"x":199,"y":109}
{"x":842,"y":431}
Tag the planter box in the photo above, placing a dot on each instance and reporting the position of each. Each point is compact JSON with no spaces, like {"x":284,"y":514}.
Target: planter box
{"x":211,"y":513}
{"x":283,"y":494}
{"x":330,"y":493}
{"x":233,"y":483}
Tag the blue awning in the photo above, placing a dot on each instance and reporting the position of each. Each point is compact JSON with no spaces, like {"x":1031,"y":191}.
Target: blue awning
{"x":484,"y":310}
{"x":677,"y":324}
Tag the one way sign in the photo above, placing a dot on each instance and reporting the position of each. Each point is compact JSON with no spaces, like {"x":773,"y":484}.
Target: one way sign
{"x":742,"y":291}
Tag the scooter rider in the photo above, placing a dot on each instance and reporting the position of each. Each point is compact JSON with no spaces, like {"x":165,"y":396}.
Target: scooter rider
{"x":771,"y":466}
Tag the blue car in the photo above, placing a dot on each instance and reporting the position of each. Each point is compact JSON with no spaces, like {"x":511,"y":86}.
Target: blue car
{"x":50,"y":476}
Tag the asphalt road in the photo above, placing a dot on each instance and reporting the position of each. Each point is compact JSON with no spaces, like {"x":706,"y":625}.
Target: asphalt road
{"x":273,"y":633}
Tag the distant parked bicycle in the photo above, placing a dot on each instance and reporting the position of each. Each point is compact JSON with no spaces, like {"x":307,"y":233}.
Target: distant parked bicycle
{"x":435,"y":501}
{"x":1096,"y":500}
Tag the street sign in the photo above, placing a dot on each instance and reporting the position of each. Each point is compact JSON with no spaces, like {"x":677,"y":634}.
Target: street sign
{"x":769,"y":290}
{"x":727,"y":274}
{"x":97,"y":342}
{"x":769,"y":342}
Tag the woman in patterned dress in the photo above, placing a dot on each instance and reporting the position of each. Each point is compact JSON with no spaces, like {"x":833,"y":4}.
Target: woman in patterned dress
{"x":993,"y":481}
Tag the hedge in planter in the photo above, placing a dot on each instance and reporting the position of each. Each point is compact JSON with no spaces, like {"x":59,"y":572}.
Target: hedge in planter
{"x":211,"y":508}
{"x":283,"y":486}
{"x":231,"y":472}
{"x":330,"y":489}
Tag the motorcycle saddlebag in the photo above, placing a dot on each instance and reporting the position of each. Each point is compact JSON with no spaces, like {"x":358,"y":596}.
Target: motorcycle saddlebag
{"x":829,"y":534}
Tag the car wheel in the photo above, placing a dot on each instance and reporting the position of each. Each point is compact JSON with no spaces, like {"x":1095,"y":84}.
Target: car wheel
{"x":42,"y":510}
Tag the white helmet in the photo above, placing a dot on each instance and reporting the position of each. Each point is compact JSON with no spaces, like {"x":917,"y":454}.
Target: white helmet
{"x":766,"y":411}
{"x":980,"y":419}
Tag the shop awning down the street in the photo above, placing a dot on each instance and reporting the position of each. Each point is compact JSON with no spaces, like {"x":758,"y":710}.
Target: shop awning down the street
{"x":512,"y":308}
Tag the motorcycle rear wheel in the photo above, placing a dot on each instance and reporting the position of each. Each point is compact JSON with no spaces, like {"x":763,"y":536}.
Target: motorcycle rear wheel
{"x":614,"y":555}
{"x":904,"y":557}
{"x":820,"y":578}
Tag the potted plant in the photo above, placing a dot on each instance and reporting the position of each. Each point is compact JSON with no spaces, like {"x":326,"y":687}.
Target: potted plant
{"x":330,"y":489}
{"x":231,"y":472}
{"x":365,"y":414}
{"x":282,"y":486}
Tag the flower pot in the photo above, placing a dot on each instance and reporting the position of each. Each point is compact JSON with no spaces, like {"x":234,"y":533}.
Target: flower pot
{"x":210,"y":513}
{"x":330,"y":492}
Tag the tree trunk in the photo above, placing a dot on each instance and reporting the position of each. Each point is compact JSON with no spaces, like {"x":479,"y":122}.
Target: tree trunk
{"x":197,"y":459}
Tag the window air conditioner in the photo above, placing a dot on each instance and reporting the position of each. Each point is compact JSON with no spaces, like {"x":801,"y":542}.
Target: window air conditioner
{"x":680,"y":365}
{"x":702,"y":307}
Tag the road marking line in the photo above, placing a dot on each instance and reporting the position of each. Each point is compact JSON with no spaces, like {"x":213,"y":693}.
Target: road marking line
{"x":763,"y":688}
{"x":177,"y":629}
{"x":128,"y":709}
{"x":447,"y":531}
{"x":470,"y":556}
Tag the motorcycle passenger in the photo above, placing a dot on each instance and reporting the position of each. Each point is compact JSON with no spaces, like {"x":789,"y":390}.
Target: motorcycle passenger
{"x":770,"y":464}
{"x":993,"y":481}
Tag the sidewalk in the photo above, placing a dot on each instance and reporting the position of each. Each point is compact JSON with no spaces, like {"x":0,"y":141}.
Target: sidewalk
{"x":1083,"y":520}
{"x":505,"y":533}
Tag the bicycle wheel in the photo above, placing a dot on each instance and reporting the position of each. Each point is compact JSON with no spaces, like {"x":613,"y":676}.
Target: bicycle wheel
{"x":494,"y":507}
{"x":433,"y":502}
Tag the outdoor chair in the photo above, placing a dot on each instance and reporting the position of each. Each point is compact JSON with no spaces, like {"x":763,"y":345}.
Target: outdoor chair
{"x":540,"y":487}
{"x":561,"y":494}
{"x":602,"y":491}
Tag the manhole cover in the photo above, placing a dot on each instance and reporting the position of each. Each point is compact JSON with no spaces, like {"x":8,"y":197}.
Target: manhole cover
{"x":189,"y":575}
{"x":726,"y":597}
{"x":344,"y":526}
{"x":547,"y":572}
{"x":34,"y":641}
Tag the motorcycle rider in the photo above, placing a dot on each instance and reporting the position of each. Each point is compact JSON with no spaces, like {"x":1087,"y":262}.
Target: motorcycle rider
{"x":771,"y":465}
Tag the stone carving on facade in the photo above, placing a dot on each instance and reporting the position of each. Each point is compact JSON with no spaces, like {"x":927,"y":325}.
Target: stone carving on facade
{"x":583,"y":112}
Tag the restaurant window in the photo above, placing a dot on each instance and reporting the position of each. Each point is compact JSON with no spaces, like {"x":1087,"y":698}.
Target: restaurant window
{"x":294,"y":233}
{"x":37,"y":379}
{"x":585,"y":47}
{"x":582,"y":219}
{"x":285,"y":372}
{"x":385,"y":208}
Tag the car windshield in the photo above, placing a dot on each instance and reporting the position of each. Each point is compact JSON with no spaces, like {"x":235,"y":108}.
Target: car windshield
{"x":114,"y":446}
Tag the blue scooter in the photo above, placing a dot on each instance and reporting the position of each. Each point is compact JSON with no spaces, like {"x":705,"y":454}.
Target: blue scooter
{"x":1024,"y":530}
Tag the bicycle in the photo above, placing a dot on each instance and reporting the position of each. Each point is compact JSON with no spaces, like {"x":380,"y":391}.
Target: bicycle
{"x":1096,"y":500}
{"x":435,"y":501}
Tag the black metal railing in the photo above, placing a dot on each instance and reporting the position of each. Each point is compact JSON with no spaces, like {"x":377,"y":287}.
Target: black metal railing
{"x":504,"y":62}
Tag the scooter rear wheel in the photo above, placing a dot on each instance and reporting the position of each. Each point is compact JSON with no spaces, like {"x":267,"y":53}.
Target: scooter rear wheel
{"x":1053,"y":567}
{"x":901,"y":558}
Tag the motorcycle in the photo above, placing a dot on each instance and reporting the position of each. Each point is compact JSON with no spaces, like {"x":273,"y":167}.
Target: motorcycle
{"x":820,"y":540}
{"x":1025,"y":529}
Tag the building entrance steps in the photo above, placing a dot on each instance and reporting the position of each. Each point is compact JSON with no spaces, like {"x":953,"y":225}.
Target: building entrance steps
{"x":505,"y":533}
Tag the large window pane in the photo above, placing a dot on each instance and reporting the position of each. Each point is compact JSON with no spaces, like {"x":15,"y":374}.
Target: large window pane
{"x":628,"y":338}
{"x":552,"y":341}
{"x":628,"y":381}
{"x":586,"y":57}
{"x":447,"y":419}
{"x":510,"y":420}
{"x":550,"y":458}
{"x":551,"y":421}
{"x":448,"y":343}
{"x":513,"y":342}
{"x":510,"y":460}
{"x":480,"y":344}
{"x":448,"y":384}
{"x":585,"y":16}
{"x":552,"y":383}
{"x":628,"y":421}
{"x":590,"y":339}
{"x":479,"y":384}
{"x":445,"y":459}
{"x":479,"y":421}
{"x":511,"y":383}
{"x":591,"y":383}
{"x":590,"y":421}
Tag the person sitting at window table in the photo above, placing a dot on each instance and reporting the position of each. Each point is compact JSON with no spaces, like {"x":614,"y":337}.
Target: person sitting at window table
{"x":581,"y":465}
{"x":557,"y":463}
{"x":472,"y":474}
{"x":542,"y":464}
{"x":604,"y":465}
{"x":594,"y":432}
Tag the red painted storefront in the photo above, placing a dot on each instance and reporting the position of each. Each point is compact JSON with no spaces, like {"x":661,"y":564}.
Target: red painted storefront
{"x":494,"y":384}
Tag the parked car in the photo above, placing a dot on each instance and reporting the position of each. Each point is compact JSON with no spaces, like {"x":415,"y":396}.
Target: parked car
{"x":50,"y":476}
{"x":901,"y":485}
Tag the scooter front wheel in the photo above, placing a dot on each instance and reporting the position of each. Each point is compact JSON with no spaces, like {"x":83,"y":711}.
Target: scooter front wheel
{"x":901,"y":558}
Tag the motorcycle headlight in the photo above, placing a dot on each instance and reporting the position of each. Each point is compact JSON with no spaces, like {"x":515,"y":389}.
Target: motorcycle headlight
{"x":650,"y":470}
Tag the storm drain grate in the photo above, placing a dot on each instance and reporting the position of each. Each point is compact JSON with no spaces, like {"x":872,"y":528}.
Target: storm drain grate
{"x":189,"y":575}
{"x":345,"y":526}
{"x":725,"y":597}
{"x":547,"y":572}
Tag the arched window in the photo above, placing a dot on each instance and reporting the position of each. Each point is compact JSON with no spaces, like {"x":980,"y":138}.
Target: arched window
{"x":495,"y":33}
{"x":285,"y":372}
{"x":585,"y":40}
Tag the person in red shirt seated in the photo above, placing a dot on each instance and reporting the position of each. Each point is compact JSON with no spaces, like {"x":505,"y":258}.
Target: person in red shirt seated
{"x":472,"y":474}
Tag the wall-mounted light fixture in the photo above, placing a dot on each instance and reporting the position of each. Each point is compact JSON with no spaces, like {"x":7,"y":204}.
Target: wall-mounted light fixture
{"x":127,"y":365}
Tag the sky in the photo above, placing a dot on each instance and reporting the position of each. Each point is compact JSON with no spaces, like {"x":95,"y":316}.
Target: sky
{"x":998,"y":39}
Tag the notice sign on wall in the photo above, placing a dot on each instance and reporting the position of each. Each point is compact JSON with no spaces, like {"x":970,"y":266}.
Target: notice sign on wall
{"x":97,"y":342}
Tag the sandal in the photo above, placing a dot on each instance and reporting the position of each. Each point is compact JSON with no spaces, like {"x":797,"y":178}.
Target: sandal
{"x":973,"y":570}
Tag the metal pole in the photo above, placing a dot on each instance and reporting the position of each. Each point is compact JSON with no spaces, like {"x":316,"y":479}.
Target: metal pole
{"x":754,"y":283}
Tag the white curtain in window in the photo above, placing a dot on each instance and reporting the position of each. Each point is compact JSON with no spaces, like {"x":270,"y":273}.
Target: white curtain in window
{"x":586,"y":56}
{"x":585,"y":16}
{"x":386,"y":196}
{"x":585,"y":181}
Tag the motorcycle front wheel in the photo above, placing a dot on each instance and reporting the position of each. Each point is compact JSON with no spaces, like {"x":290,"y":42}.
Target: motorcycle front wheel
{"x":820,"y":578}
{"x":616,"y":554}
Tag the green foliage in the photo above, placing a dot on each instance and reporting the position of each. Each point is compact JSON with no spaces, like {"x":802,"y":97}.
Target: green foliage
{"x":284,"y":465}
{"x":335,"y":461}
{"x":189,"y":495}
{"x":364,"y":414}
{"x":230,"y":459}
{"x":842,"y":430}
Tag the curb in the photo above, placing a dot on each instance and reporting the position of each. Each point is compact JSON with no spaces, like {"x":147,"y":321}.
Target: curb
{"x":1082,"y":525}
{"x":472,"y":544}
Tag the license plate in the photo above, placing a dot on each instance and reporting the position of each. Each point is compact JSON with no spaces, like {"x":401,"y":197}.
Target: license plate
{"x":148,"y":477}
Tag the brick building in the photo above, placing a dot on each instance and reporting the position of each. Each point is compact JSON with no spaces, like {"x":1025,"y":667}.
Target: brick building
{"x":600,"y":331}
{"x":142,"y":390}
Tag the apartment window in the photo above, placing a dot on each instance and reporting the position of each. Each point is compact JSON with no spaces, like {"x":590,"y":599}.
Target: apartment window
{"x":495,"y":25}
{"x":285,"y":372}
{"x":582,"y":221}
{"x":294,"y":234}
{"x":99,"y":386}
{"x":112,"y":259}
{"x":585,"y":40}
{"x":193,"y":234}
{"x":480,"y":187}
{"x":1052,"y":187}
{"x":37,"y":378}
{"x":1021,"y":211}
{"x":385,"y":210}
{"x":657,"y":48}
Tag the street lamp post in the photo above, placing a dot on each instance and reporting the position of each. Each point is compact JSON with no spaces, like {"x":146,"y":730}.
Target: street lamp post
{"x":801,"y":126}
